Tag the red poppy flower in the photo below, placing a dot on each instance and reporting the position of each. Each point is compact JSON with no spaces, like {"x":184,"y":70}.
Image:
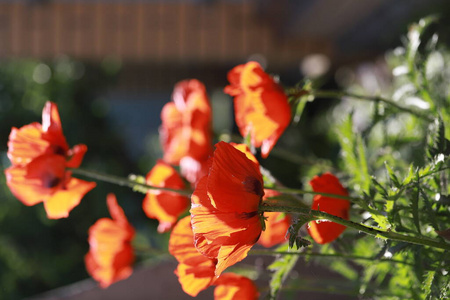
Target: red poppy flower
{"x":225,"y":218}
{"x":195,"y":271}
{"x":260,"y":105}
{"x":324,"y":231}
{"x":40,"y":155}
{"x":277,"y":225}
{"x":231,"y":286}
{"x":164,"y":206}
{"x":186,"y":123}
{"x":110,"y":254}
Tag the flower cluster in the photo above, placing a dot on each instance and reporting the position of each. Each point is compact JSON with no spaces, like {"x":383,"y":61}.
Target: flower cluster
{"x":225,"y":219}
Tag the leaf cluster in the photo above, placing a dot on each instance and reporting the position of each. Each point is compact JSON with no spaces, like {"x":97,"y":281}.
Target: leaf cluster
{"x":396,"y":164}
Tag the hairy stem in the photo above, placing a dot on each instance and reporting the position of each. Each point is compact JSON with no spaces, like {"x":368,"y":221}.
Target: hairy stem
{"x":137,"y":186}
{"x":341,"y":94}
{"x":319,"y":215}
{"x":338,"y":255}
{"x":304,"y":192}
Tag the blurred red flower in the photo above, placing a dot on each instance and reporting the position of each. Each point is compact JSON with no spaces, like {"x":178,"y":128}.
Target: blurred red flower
{"x":260,"y":104}
{"x":225,"y":218}
{"x":324,"y":231}
{"x":231,"y":286}
{"x":186,"y":123}
{"x":164,"y":206}
{"x":39,"y":156}
{"x":110,"y":254}
{"x":277,"y":225}
{"x":195,"y":271}
{"x":193,"y":170}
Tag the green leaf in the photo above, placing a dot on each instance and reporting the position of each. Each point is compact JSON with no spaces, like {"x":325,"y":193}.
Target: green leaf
{"x":293,"y":230}
{"x":380,"y":188}
{"x":415,"y":207}
{"x":437,"y":143}
{"x":353,"y":155}
{"x":392,"y":176}
{"x":381,"y":220}
{"x":410,"y":176}
{"x":343,"y":268}
{"x":281,"y":267}
{"x":365,"y":177}
{"x":426,"y":284}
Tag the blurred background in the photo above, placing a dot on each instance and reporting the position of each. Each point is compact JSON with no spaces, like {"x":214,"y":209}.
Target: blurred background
{"x":110,"y":65}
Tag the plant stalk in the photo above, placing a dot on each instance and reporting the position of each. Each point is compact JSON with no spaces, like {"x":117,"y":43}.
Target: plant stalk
{"x":341,"y":94}
{"x":319,"y":215}
{"x":140,"y":187}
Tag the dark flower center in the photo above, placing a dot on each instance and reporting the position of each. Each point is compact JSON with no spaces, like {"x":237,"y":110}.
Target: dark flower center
{"x":51,"y":181}
{"x":247,"y":215}
{"x":58,"y":150}
{"x":253,"y":185}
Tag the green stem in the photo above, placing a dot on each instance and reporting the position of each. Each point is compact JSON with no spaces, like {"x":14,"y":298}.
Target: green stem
{"x":339,"y":255}
{"x":137,"y":186}
{"x":319,"y":215}
{"x":304,"y":192}
{"x":341,"y":94}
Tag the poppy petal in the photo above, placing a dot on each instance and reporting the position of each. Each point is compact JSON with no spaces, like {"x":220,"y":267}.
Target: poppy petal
{"x":260,"y":105}
{"x":324,"y":231}
{"x":28,"y":191}
{"x":64,"y":200}
{"x":51,"y":126}
{"x":224,"y":209}
{"x":231,"y":286}
{"x":110,"y":254}
{"x":76,"y":155}
{"x":186,"y":123}
{"x":277,"y":225}
{"x":195,"y":272}
{"x":237,"y":186}
{"x":26,"y":143}
{"x":166,"y":207}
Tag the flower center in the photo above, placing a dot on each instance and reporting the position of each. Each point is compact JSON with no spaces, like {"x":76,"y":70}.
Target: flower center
{"x":50,"y":181}
{"x":247,"y":215}
{"x":253,"y":185}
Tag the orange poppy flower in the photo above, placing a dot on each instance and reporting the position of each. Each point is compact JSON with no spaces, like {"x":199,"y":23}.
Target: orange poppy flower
{"x":231,"y":286}
{"x":260,"y":105}
{"x":195,"y":271}
{"x":225,"y":218}
{"x":324,"y":231}
{"x":164,"y":206}
{"x":186,"y":123}
{"x":40,"y":155}
{"x":110,"y":254}
{"x":277,"y":225}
